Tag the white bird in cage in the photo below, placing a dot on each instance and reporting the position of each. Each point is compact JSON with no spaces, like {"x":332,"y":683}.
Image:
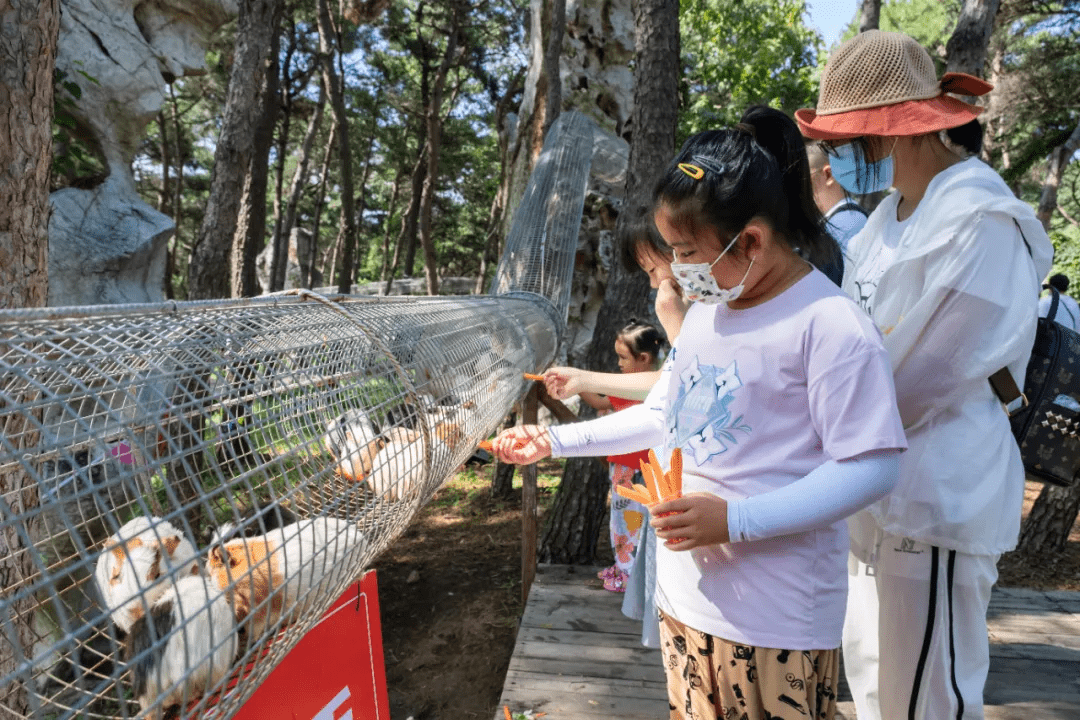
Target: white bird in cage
{"x":139,"y":564}
{"x":352,"y":440}
{"x":397,"y":468}
{"x":183,"y":647}
{"x":272,"y":578}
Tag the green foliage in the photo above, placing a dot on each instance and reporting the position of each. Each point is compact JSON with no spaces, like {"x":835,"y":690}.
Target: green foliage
{"x":738,"y":53}
{"x":73,"y":155}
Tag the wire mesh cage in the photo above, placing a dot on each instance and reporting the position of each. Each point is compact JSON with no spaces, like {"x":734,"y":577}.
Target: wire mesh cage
{"x":187,"y":487}
{"x":537,"y":259}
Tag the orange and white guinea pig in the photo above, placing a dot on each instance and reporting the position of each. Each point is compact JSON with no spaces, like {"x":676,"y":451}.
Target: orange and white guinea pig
{"x":183,"y":648}
{"x":352,"y":440}
{"x":139,"y":564}
{"x":398,"y":468}
{"x":270,"y":579}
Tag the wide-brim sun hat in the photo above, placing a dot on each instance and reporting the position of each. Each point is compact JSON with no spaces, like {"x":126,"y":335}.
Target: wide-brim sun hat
{"x":884,"y":83}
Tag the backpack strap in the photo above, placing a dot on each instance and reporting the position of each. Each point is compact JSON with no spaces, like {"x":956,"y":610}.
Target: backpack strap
{"x":1002,"y":381}
{"x":1007,"y":392}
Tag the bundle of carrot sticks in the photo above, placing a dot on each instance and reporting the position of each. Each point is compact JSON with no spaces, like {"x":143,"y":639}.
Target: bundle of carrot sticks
{"x":658,"y":484}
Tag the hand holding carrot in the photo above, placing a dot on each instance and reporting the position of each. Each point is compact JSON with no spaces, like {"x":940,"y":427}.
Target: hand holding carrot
{"x":693,"y":520}
{"x":522,"y":445}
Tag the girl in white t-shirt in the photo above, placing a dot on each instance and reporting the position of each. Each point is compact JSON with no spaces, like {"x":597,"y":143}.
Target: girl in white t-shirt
{"x":780,"y":397}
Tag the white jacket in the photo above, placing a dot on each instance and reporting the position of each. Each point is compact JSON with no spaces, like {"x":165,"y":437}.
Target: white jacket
{"x":957,"y":303}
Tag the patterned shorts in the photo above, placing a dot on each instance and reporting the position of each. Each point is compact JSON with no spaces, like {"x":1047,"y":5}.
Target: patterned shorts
{"x":709,"y":678}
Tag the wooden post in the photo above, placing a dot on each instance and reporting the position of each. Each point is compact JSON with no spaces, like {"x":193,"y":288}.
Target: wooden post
{"x":529,"y":531}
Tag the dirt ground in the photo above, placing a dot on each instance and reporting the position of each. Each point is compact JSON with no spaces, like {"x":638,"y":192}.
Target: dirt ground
{"x":450,"y":595}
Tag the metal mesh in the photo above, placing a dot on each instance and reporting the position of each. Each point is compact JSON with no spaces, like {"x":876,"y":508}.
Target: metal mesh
{"x":206,"y":478}
{"x":537,"y":258}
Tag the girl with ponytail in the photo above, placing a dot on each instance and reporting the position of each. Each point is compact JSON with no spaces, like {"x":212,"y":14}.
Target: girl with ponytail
{"x":778,"y":398}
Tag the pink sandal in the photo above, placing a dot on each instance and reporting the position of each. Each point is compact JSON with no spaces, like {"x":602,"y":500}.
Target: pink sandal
{"x":616,"y":583}
{"x":608,"y":572}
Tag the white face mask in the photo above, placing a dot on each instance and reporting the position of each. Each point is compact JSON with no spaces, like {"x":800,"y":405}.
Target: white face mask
{"x":699,"y":285}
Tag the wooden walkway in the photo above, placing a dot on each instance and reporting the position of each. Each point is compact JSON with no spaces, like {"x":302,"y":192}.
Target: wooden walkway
{"x":578,"y":658}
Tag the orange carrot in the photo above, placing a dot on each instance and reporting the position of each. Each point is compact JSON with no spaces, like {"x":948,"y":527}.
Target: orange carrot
{"x":506,"y":709}
{"x":635,"y":493}
{"x":675,"y":474}
{"x":658,"y":473}
{"x":534,"y":378}
{"x":650,"y":481}
{"x":485,"y":445}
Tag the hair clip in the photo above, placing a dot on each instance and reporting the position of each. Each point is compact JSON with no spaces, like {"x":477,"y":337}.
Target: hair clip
{"x":702,"y":163}
{"x":692,"y":170}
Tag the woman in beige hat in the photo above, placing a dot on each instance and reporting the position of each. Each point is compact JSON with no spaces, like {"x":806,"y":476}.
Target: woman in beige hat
{"x":948,"y":266}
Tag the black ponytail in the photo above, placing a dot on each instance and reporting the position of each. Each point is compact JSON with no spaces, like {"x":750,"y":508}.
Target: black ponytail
{"x":776,"y":132}
{"x":642,"y":338}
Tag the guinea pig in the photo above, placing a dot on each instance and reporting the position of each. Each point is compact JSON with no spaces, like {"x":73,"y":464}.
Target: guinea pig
{"x":138,"y":564}
{"x":398,"y":468}
{"x":183,"y":648}
{"x":272,"y":578}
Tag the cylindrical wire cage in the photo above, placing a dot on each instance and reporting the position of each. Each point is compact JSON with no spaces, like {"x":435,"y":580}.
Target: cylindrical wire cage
{"x":187,"y":487}
{"x":318,"y":425}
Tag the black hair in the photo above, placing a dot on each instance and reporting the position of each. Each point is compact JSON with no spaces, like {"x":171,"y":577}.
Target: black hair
{"x":641,"y":236}
{"x":968,"y":136}
{"x":758,"y":168}
{"x":1059,"y":282}
{"x":641,"y":337}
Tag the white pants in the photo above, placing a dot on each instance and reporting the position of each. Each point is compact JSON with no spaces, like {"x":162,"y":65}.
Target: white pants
{"x":915,"y":639}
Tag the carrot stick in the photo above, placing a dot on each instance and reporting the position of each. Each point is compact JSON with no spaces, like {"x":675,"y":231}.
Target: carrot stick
{"x":658,"y":473}
{"x":534,"y":378}
{"x":485,"y":445}
{"x":650,"y":481}
{"x":675,"y":474}
{"x":636,"y":494}
{"x":506,"y":709}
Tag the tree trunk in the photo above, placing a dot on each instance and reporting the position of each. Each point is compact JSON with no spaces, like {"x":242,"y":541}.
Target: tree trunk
{"x":283,"y":230}
{"x":208,"y":272}
{"x":1055,"y":170}
{"x":966,"y":48}
{"x":553,"y":96}
{"x":1050,"y":521}
{"x":576,"y":518}
{"x":869,"y":15}
{"x":279,"y":240}
{"x":329,"y":44}
{"x":433,"y":120}
{"x":164,"y":194}
{"x":395,"y":190}
{"x":250,"y":236}
{"x":28,"y":46}
{"x":407,"y":236}
{"x":320,"y":201}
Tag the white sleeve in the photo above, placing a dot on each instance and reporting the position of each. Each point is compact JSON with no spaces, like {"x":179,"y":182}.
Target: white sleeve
{"x":831,"y":492}
{"x":638,"y":427}
{"x":635,"y":428}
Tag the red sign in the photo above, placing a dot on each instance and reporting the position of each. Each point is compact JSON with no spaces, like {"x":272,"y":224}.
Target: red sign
{"x":335,"y":672}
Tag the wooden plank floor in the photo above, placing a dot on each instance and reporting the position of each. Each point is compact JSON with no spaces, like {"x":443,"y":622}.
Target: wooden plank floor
{"x":578,"y":658}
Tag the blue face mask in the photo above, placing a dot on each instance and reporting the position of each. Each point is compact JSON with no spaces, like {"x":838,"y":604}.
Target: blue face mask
{"x":856,"y":175}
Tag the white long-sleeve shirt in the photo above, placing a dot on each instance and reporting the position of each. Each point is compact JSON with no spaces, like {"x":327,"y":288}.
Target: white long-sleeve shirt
{"x":954,"y":289}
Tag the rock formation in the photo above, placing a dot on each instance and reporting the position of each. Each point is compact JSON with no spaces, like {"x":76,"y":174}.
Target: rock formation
{"x":106,"y":245}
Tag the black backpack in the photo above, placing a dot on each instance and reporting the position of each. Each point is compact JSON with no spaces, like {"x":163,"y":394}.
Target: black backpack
{"x":1045,"y":418}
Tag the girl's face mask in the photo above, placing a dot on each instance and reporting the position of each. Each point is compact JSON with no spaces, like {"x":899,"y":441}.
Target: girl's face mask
{"x":856,"y":175}
{"x":699,"y":285}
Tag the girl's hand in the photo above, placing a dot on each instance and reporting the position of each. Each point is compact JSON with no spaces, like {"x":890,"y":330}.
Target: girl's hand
{"x":522,"y":445}
{"x":693,"y":520}
{"x":671,"y":307}
{"x":564,"y":382}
